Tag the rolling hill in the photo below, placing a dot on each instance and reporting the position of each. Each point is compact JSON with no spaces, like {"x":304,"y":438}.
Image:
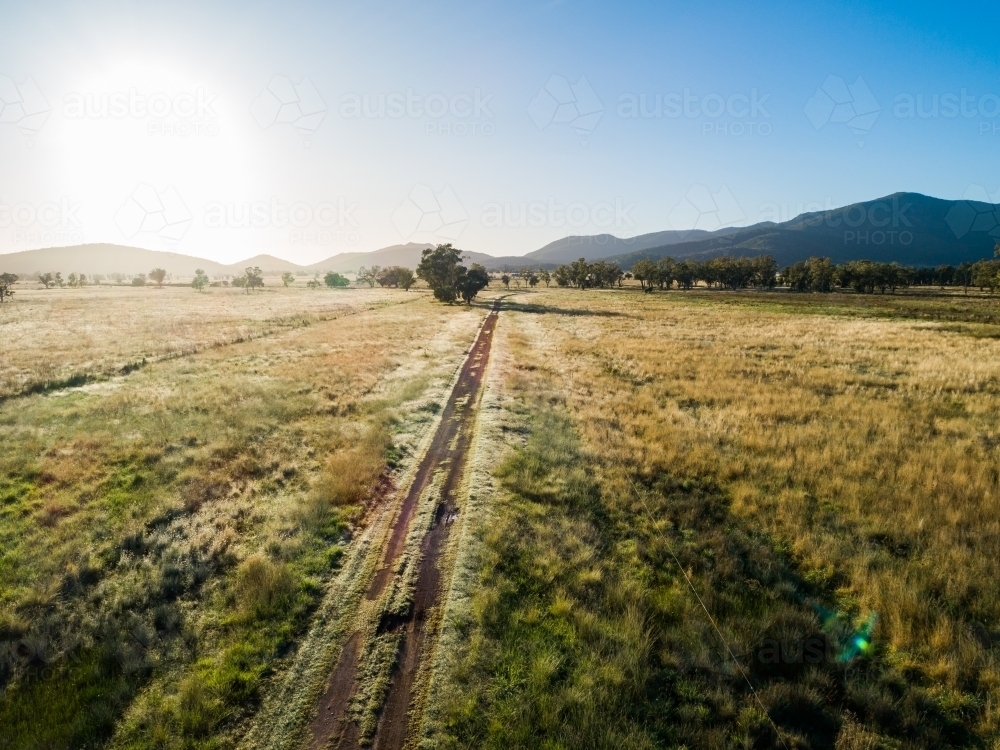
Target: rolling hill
{"x":106,"y":259}
{"x":910,"y":228}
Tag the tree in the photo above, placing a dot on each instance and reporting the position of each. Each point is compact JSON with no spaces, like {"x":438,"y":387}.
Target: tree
{"x":442,"y":269}
{"x":200,"y":280}
{"x":137,"y":280}
{"x":395,"y":276}
{"x":646,"y":272}
{"x":579,"y":273}
{"x":45,"y":279}
{"x":686,"y":274}
{"x":254,"y":278}
{"x":58,"y":280}
{"x":313,"y":283}
{"x":505,"y":280}
{"x":405,"y":278}
{"x":287,"y":278}
{"x":72,"y":280}
{"x":471,"y":282}
{"x":336,"y":281}
{"x":821,"y":273}
{"x":157,"y":275}
{"x":368,"y":275}
{"x":562,"y":276}
{"x":546,"y":277}
{"x":7,"y":281}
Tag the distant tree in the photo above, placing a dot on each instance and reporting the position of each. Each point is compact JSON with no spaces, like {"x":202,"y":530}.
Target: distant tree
{"x":7,"y":281}
{"x":287,"y":278}
{"x":686,"y":274}
{"x":254,"y":278}
{"x":46,"y":280}
{"x":157,"y":275}
{"x":82,"y":279}
{"x":562,"y":276}
{"x":472,"y":282}
{"x":336,"y":281}
{"x":72,"y":280}
{"x":546,"y":277}
{"x":240,"y":282}
{"x":314,"y":283}
{"x":532,"y":279}
{"x":579,"y":273}
{"x":58,"y":280}
{"x":405,"y":278}
{"x":442,"y":269}
{"x":986,"y":275}
{"x":200,"y":280}
{"x":368,"y":276}
{"x":505,"y":280}
{"x":395,"y":276}
{"x":137,"y":280}
{"x":645,"y":271}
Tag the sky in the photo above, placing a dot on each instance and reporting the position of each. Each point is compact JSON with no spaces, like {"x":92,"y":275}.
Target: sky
{"x":303,"y":130}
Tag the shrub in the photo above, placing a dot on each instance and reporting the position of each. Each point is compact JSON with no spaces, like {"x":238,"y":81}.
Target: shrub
{"x":351,"y":474}
{"x":263,"y":588}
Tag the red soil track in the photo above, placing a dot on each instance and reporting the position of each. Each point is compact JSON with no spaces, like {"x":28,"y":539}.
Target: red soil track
{"x":448,"y":450}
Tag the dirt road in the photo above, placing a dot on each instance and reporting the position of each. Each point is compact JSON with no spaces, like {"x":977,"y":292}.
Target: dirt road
{"x":442,"y":468}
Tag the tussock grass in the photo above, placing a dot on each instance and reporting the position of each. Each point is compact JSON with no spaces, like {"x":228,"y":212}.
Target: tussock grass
{"x":352,"y":472}
{"x":263,"y":587}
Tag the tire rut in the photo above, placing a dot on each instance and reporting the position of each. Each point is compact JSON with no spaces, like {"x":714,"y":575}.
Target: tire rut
{"x":332,"y":726}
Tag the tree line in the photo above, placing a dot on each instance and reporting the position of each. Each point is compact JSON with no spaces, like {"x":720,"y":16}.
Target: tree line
{"x":762,"y":272}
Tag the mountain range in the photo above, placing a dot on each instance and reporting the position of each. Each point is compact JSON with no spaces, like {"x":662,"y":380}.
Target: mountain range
{"x":910,"y":228}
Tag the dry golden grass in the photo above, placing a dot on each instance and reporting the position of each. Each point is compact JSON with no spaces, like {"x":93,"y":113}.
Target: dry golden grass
{"x":165,"y":534}
{"x":54,"y":335}
{"x":855,"y":438}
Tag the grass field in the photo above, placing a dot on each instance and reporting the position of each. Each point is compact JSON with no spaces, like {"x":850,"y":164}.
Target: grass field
{"x":818,"y":465}
{"x":677,"y":501}
{"x":164,"y":534}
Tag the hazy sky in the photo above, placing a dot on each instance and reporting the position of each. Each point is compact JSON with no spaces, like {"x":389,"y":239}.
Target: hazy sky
{"x":306,"y":129}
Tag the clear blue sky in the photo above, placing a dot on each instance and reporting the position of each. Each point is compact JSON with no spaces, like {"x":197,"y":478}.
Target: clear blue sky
{"x":570,"y":152}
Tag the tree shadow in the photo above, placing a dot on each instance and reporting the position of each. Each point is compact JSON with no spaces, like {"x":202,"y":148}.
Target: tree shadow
{"x":538,"y":309}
